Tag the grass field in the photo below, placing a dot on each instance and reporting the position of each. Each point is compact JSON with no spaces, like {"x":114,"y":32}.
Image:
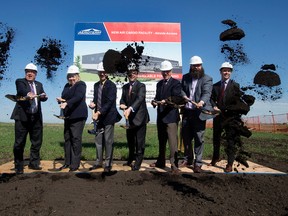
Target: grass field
{"x":262,"y":144}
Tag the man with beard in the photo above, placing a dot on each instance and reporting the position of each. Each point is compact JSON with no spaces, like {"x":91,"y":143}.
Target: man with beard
{"x":196,"y":88}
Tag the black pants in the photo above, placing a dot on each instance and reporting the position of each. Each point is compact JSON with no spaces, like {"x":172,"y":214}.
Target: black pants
{"x":33,"y":127}
{"x":73,"y":130}
{"x":136,"y":143}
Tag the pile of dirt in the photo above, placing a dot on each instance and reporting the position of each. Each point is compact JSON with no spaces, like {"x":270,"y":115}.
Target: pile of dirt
{"x":144,"y":193}
{"x":50,"y":55}
{"x":7,"y":35}
{"x":234,"y":52}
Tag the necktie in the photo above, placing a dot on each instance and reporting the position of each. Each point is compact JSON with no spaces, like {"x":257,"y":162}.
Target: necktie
{"x":99,"y":96}
{"x":222,"y":92}
{"x":130,"y":89}
{"x":163,"y":86}
{"x":33,"y":103}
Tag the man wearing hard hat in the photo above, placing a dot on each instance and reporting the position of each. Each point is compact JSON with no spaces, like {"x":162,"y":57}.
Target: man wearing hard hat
{"x":196,"y":88}
{"x":225,"y":95}
{"x":28,"y":119}
{"x":167,"y":117}
{"x":106,"y":114}
{"x":133,"y":104}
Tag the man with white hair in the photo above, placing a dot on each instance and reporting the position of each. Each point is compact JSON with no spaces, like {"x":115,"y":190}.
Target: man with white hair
{"x":28,"y":119}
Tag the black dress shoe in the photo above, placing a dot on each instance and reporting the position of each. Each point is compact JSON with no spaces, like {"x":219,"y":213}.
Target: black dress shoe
{"x":34,"y":167}
{"x":135,"y":168}
{"x":157,"y":165}
{"x":214,"y":162}
{"x":98,"y":166}
{"x":73,"y":169}
{"x":19,"y":171}
{"x":107,"y":169}
{"x":65,"y":166}
{"x":197,"y":169}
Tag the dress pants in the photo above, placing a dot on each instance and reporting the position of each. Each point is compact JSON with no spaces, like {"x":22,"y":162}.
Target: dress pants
{"x":217,"y":131}
{"x":105,"y":141}
{"x":193,"y":128}
{"x":33,"y":127}
{"x":136,"y":144}
{"x":168,"y":132}
{"x":73,"y":130}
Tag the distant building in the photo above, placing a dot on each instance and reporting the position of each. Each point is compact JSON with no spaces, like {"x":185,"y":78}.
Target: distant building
{"x":149,"y":63}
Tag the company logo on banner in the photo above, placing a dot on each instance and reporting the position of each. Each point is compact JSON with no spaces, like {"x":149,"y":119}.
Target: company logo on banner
{"x":161,"y":41}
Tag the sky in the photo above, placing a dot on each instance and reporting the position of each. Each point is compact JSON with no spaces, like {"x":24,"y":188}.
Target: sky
{"x":264,"y":24}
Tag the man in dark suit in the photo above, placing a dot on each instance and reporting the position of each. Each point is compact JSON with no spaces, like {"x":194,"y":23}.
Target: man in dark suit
{"x":28,"y":119}
{"x":196,"y":87}
{"x":133,"y":102}
{"x":225,"y":94}
{"x":105,"y":112}
{"x":167,"y":116}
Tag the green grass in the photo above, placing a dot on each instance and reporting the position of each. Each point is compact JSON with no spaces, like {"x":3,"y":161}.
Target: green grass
{"x":267,"y":144}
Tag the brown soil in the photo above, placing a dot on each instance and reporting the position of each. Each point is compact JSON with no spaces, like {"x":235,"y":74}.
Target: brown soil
{"x":143,"y":193}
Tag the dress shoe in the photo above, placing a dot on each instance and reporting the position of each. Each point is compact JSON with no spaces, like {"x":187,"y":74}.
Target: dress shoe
{"x":135,"y":168}
{"x":97,"y":166}
{"x":73,"y":169}
{"x":65,"y":166}
{"x":228,"y":168}
{"x":34,"y":167}
{"x":184,"y":164}
{"x":214,"y":162}
{"x":175,"y":170}
{"x":19,"y":171}
{"x":157,"y":165}
{"x":197,"y":169}
{"x":107,"y":169}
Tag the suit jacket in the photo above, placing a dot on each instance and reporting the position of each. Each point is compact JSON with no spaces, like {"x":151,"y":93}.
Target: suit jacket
{"x":21,"y":108}
{"x":76,"y":101}
{"x":167,"y":114}
{"x":232,"y":101}
{"x":109,"y":114}
{"x":137,"y":101}
{"x":203,"y":89}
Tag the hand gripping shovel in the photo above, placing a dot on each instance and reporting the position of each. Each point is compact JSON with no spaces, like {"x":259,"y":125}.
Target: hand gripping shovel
{"x":206,"y":114}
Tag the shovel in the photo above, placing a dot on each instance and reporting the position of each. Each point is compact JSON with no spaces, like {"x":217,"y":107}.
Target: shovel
{"x":206,"y":114}
{"x":16,"y":98}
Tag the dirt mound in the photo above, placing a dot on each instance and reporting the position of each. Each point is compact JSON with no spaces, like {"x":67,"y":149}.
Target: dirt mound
{"x":144,"y":193}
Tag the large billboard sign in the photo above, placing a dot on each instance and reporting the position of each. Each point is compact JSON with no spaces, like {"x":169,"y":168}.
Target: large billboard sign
{"x":161,"y":41}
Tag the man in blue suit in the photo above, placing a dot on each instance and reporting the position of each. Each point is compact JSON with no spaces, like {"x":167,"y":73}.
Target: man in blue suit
{"x":133,"y":102}
{"x":105,"y":112}
{"x":196,"y":87}
{"x":28,"y":119}
{"x":167,"y":116}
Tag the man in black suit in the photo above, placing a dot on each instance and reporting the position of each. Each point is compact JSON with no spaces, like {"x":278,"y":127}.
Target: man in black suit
{"x":197,"y":87}
{"x":167,"y":116}
{"x":133,"y":102}
{"x":225,"y":94}
{"x":28,"y":119}
{"x":105,"y":112}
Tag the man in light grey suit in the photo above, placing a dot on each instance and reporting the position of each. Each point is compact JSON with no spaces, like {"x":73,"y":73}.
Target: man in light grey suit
{"x":196,"y":87}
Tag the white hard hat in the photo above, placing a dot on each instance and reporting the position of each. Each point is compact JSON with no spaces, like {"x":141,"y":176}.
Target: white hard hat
{"x":73,"y":69}
{"x":31,"y":66}
{"x":166,"y":66}
{"x":131,"y":66}
{"x":195,"y":60}
{"x":226,"y":65}
{"x":100,"y":67}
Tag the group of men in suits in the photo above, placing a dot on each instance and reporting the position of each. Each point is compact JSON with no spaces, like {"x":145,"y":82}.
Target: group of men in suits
{"x":196,"y":88}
